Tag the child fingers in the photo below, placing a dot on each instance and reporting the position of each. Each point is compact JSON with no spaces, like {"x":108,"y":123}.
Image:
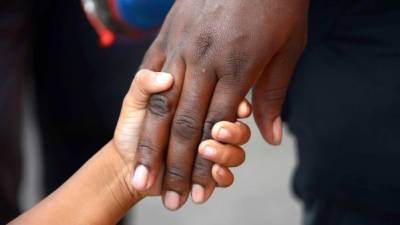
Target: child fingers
{"x":244,"y":109}
{"x":237,"y":133}
{"x":222,"y":175}
{"x":223,"y":154}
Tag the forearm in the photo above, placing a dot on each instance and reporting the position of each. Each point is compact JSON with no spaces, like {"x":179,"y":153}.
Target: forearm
{"x":97,"y":194}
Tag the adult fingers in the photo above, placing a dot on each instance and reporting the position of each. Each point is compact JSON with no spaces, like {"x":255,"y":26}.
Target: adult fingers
{"x":236,"y":76}
{"x":186,"y":134}
{"x":223,"y":106}
{"x":269,"y":95}
{"x":155,"y":132}
{"x":156,"y":128}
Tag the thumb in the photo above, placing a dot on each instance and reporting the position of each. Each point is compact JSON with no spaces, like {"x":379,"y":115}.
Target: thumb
{"x":269,"y":95}
{"x":145,"y":84}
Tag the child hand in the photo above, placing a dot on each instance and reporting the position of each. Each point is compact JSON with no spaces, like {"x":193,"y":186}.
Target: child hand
{"x":225,"y":151}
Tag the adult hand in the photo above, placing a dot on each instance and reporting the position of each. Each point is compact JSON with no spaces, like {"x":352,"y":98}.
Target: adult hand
{"x":127,"y":132}
{"x":216,"y":50}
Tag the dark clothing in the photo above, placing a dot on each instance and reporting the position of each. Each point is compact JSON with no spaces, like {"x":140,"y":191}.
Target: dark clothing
{"x":344,"y":106}
{"x":13,"y":22}
{"x":321,"y":212}
{"x":78,"y":86}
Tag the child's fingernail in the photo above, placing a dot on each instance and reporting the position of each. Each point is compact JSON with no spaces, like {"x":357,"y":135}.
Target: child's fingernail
{"x":198,"y":193}
{"x":140,"y":178}
{"x":277,"y":131}
{"x":172,"y":200}
{"x":163,"y":78}
{"x":220,"y":171}
{"x":223,"y":133}
{"x":208,"y":151}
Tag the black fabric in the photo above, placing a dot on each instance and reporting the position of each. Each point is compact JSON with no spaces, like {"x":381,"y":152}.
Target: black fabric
{"x":13,"y":61}
{"x":344,"y":105}
{"x":319,"y":212}
{"x":79,"y":86}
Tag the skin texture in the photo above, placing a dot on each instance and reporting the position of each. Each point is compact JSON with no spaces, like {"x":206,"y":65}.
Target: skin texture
{"x":216,"y":50}
{"x":100,"y":191}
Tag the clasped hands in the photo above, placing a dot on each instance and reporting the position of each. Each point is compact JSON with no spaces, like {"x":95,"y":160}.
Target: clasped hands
{"x":216,"y":51}
{"x":102,"y":190}
{"x":223,"y":147}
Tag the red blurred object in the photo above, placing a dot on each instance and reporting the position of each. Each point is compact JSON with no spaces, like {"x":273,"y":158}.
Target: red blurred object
{"x":106,"y":36}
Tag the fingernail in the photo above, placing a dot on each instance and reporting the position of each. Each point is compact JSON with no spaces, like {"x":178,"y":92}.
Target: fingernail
{"x":198,"y":193}
{"x":172,"y":200}
{"x":140,"y":178}
{"x":208,"y":151}
{"x":223,"y":133}
{"x":162,"y":78}
{"x":277,"y":131}
{"x":220,"y":171}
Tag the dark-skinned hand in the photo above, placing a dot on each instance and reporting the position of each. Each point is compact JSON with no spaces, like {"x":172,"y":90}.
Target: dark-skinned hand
{"x":217,"y":50}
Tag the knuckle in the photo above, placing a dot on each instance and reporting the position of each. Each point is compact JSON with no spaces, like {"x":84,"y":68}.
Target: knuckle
{"x":236,"y":63}
{"x":275,"y":94}
{"x":186,"y":127}
{"x":175,"y":178}
{"x":203,"y":43}
{"x":145,"y":151}
{"x":160,"y":105}
{"x":202,"y":171}
{"x":200,"y":47}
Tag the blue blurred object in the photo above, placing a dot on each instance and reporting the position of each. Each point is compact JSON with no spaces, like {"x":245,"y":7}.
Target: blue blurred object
{"x":144,"y":15}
